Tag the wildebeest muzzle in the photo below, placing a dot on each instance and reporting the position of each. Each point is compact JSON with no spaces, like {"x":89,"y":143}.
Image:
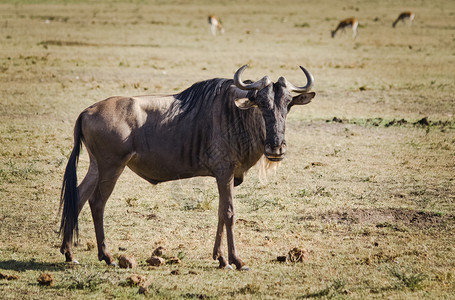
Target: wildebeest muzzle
{"x":275,"y":153}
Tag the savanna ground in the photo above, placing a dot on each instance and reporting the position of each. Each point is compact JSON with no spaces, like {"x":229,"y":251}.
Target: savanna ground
{"x":366,"y":188}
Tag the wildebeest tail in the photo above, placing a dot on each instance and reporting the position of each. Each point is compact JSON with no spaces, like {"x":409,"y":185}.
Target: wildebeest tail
{"x":69,"y":196}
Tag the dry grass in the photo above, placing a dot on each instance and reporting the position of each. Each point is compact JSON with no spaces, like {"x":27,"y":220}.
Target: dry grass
{"x":370,"y":196}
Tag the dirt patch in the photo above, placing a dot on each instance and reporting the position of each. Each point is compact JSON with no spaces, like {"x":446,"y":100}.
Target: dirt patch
{"x":387,"y":217}
{"x":380,"y":257}
{"x":315,"y":164}
{"x":84,"y":44}
{"x":248,"y":224}
{"x":423,"y":122}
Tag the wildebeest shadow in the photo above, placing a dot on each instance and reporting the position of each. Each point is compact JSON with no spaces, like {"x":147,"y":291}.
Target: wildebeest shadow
{"x":20,"y":266}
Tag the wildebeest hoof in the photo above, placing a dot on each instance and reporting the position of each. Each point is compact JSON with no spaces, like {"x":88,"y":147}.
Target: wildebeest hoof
{"x":244,"y":268}
{"x":229,"y":267}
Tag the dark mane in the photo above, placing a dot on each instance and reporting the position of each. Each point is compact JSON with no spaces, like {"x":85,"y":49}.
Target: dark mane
{"x":197,"y":97}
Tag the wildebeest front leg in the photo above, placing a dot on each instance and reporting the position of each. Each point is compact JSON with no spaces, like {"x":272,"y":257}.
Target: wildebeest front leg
{"x":226,"y":215}
{"x":217,"y":249}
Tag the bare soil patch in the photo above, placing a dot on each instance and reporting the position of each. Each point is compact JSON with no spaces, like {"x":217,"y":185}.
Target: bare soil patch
{"x":386,"y":217}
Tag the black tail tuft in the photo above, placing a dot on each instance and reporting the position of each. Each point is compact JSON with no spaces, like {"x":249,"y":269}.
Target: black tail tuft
{"x":69,"y":197}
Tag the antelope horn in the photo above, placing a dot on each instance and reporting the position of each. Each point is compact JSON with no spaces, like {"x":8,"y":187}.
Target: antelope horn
{"x":303,"y":89}
{"x":258,"y":85}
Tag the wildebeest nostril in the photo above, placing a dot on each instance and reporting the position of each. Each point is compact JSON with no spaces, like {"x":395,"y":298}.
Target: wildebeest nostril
{"x":275,"y":150}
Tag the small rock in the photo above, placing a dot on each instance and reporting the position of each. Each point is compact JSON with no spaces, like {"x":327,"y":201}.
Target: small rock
{"x":298,"y":255}
{"x":135,"y":280}
{"x":282,"y":258}
{"x":175,"y":272}
{"x":402,"y":122}
{"x":9,"y":277}
{"x":318,"y":164}
{"x":158,"y":251}
{"x":126,"y":262}
{"x":173,"y":261}
{"x":391,"y":123}
{"x":155,"y":261}
{"x":46,"y":279}
{"x":151,"y":216}
{"x":144,"y":288}
{"x":337,"y":120}
{"x":13,"y":277}
{"x":90,"y":246}
{"x":424,"y":122}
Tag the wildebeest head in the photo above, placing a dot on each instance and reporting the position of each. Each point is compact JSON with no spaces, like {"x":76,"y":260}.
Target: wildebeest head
{"x":274,"y":101}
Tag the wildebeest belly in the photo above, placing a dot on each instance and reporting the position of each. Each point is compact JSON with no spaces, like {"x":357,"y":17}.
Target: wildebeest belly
{"x":160,"y":168}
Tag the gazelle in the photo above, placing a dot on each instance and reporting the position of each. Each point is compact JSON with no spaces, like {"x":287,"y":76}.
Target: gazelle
{"x":351,"y":22}
{"x":407,"y":15}
{"x":215,"y":25}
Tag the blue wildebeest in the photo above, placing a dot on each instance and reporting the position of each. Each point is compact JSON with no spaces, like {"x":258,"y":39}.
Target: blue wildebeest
{"x":218,"y":128}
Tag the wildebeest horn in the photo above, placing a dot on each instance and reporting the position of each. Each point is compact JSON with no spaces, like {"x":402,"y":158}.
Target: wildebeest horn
{"x":303,"y":89}
{"x":260,"y":84}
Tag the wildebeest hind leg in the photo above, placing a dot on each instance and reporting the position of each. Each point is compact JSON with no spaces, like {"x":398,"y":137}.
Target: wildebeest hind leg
{"x":106,"y":183}
{"x":85,"y":190}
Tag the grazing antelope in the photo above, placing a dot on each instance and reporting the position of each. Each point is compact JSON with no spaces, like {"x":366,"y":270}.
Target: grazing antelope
{"x":408,"y":15}
{"x":215,"y":25}
{"x":351,"y":22}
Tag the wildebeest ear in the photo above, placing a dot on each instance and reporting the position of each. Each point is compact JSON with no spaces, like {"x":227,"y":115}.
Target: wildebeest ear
{"x":244,"y":103}
{"x":302,"y":99}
